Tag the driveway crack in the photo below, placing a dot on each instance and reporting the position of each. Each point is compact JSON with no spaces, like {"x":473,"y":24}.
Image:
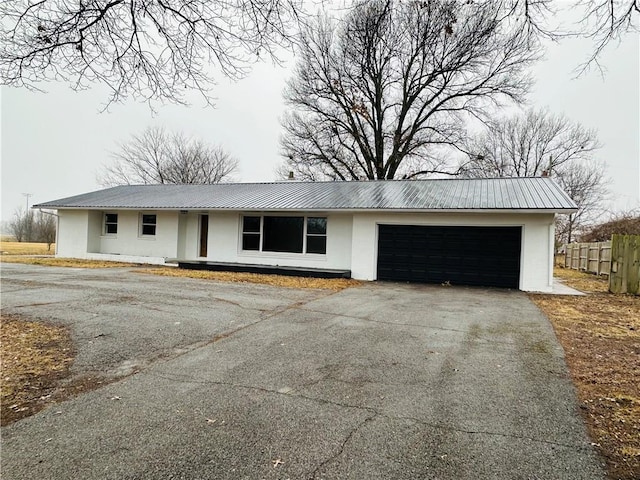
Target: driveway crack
{"x":374,"y":412}
{"x":484,"y":432}
{"x":343,"y":445}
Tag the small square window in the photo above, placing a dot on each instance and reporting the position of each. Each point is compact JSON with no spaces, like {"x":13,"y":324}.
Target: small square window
{"x":148,"y":225}
{"x":110,"y":223}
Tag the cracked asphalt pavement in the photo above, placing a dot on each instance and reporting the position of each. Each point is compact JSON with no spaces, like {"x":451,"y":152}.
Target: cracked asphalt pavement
{"x":224,"y":381}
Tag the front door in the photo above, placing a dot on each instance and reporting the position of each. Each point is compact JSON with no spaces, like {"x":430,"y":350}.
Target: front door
{"x":204,"y":234}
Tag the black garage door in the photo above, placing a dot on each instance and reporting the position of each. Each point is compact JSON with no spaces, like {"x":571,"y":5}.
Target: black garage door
{"x":485,"y":256}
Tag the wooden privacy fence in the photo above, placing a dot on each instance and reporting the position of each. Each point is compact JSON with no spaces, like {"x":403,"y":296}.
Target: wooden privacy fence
{"x":588,"y":257}
{"x":625,"y":264}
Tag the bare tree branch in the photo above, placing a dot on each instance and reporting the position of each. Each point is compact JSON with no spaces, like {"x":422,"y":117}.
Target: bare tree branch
{"x":602,"y":21}
{"x":148,"y":49}
{"x":156,"y":50}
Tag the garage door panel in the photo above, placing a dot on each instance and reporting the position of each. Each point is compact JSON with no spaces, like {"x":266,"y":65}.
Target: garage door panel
{"x":487,"y":256}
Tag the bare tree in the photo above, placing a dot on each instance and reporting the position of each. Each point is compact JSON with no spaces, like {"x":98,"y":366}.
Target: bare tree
{"x":21,"y":224}
{"x":149,"y":49}
{"x":27,"y":226}
{"x":45,"y":227}
{"x":17,"y":225}
{"x":525,"y":145}
{"x":536,"y":143}
{"x":155,"y":156}
{"x":586,"y":184}
{"x":375,"y":95}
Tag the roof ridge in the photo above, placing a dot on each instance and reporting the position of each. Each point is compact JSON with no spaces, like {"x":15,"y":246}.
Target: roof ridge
{"x":320,"y":182}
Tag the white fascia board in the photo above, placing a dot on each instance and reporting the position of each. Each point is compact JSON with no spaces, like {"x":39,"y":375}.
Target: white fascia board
{"x":337,"y":210}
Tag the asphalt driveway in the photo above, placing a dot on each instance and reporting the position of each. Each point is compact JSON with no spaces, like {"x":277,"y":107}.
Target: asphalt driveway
{"x":220,"y":380}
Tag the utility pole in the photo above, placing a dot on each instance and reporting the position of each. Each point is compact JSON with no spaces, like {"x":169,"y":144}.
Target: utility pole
{"x":28,"y":195}
{"x":28,"y":219}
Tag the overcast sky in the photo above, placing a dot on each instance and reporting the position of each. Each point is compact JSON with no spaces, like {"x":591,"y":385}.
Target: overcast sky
{"x":53,"y":144}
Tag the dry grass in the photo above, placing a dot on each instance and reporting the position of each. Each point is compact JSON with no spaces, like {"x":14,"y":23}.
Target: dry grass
{"x":584,"y":282}
{"x":35,"y":356}
{"x":25,"y":248}
{"x":335,"y":284}
{"x":64,"y":262}
{"x":600,"y":334}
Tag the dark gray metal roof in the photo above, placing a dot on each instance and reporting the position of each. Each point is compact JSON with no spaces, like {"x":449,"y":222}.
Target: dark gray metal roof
{"x":533,"y":193}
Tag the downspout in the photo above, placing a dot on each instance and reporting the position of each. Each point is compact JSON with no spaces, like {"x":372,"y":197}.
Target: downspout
{"x":552,"y":249}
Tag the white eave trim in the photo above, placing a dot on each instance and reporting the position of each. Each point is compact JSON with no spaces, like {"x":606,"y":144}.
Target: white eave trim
{"x":327,"y":210}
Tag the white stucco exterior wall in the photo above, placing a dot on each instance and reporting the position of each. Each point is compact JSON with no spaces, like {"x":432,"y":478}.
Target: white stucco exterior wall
{"x":81,"y":235}
{"x":72,"y":233}
{"x":225,"y":243}
{"x":536,"y":261}
{"x":129,"y":241}
{"x":352,"y":240}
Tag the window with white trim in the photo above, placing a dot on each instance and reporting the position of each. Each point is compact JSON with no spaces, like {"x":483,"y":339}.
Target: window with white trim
{"x":290,"y":234}
{"x":251,"y":231}
{"x":317,"y":235}
{"x":148,"y":224}
{"x":110,"y":224}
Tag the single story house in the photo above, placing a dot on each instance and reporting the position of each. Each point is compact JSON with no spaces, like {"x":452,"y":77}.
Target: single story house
{"x":488,"y":232}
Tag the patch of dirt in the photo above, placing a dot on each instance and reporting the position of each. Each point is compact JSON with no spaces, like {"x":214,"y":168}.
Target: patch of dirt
{"x":600,"y":334}
{"x":335,"y":284}
{"x":36,"y":358}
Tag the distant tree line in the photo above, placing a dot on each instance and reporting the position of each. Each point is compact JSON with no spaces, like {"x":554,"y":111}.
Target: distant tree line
{"x":624,"y":223}
{"x":30,"y":226}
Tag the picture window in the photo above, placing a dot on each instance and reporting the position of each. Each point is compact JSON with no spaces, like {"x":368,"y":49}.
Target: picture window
{"x":289,"y":234}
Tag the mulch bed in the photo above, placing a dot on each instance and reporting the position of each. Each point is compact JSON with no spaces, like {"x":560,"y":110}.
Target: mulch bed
{"x":335,"y":284}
